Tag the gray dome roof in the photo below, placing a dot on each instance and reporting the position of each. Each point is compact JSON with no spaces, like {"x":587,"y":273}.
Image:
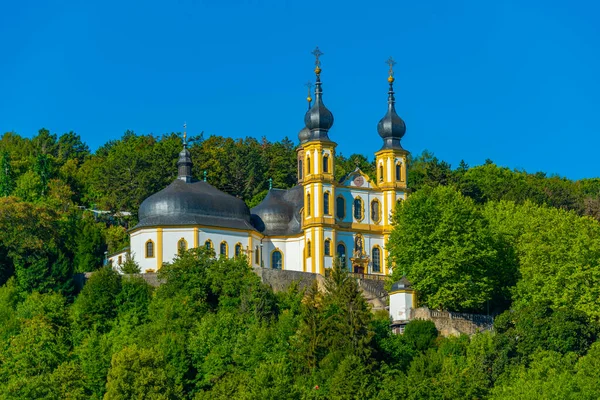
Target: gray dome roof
{"x":279,"y":212}
{"x":194,"y":203}
{"x":402,"y":284}
{"x":391,"y":127}
{"x":304,"y":135}
{"x":318,"y":118}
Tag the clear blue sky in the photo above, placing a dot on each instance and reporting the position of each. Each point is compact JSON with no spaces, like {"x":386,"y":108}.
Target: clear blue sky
{"x":514,"y":81}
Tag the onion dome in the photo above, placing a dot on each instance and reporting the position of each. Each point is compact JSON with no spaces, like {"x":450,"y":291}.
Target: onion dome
{"x":318,"y":118}
{"x":304,"y":135}
{"x":391,"y":127}
{"x":279,"y":212}
{"x":187,"y":201}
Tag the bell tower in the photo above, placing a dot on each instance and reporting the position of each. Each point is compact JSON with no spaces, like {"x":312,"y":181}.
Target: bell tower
{"x":317,"y":162}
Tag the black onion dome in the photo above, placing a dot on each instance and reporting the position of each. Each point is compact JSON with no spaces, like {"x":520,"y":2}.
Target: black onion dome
{"x":402,"y":284}
{"x":318,"y":118}
{"x":391,"y":127}
{"x":279,"y":212}
{"x":195,"y":203}
{"x":304,"y":135}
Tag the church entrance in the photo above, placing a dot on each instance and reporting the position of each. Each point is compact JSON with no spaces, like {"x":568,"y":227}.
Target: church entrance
{"x":358,"y":269}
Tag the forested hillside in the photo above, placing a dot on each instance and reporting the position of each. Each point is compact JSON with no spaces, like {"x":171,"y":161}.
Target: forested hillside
{"x":524,"y":247}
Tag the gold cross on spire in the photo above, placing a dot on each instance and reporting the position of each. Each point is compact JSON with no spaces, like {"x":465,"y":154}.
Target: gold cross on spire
{"x":390,"y":61}
{"x":184,"y":133}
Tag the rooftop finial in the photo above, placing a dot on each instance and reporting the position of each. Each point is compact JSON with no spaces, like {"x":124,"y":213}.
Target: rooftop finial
{"x":308,"y":98}
{"x":184,"y":135}
{"x":205,"y":173}
{"x":317,"y":53}
{"x":270,"y":183}
{"x":390,"y":61}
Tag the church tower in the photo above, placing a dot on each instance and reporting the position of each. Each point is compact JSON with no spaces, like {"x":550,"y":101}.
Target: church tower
{"x":391,"y":158}
{"x":317,"y":179}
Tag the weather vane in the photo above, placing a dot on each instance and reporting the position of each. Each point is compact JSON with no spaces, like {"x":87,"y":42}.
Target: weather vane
{"x":390,"y":61}
{"x":184,"y":133}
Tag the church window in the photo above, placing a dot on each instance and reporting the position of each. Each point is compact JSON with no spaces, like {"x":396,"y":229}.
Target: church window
{"x":300,"y":169}
{"x":308,"y":249}
{"x":256,"y":255}
{"x":341,"y":253}
{"x":325,"y":164}
{"x":308,"y":205}
{"x":375,"y":214}
{"x":181,"y":245}
{"x":277,"y":260}
{"x":381,"y":173}
{"x":326,"y":203}
{"x":238,"y":249}
{"x":208,"y":245}
{"x":398,"y":172}
{"x":149,"y":249}
{"x":376,"y":257}
{"x":358,"y":209}
{"x":340,"y":207}
{"x":223,"y":249}
{"x":307,"y":165}
{"x":327,"y":247}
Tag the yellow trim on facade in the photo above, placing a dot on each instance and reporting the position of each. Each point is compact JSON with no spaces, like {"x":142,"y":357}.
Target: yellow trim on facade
{"x":312,"y":249}
{"x":146,"y":249}
{"x":381,"y":267}
{"x":226,"y":249}
{"x":185,"y":244}
{"x":195,"y":237}
{"x":235,"y":247}
{"x":159,"y":248}
{"x":362,"y":209}
{"x":282,"y":258}
{"x":328,"y":202}
{"x":321,"y":255}
{"x":378,"y":204}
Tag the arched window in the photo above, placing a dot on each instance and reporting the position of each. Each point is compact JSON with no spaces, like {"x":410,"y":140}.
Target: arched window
{"x":256,"y":255}
{"x":120,"y":260}
{"x":398,"y":172}
{"x":376,"y":257}
{"x":223,"y":248}
{"x":308,"y":249}
{"x":208,"y":245}
{"x":325,"y":164}
{"x":358,"y":209}
{"x":380,"y":173}
{"x":308,"y":165}
{"x":238,"y":249}
{"x":327,"y":247}
{"x":181,"y":245}
{"x":276,"y":259}
{"x":341,"y":253}
{"x":149,"y":249}
{"x":340,"y":207}
{"x":300,"y":171}
{"x":308,"y":205}
{"x":375,"y":214}
{"x":326,"y":203}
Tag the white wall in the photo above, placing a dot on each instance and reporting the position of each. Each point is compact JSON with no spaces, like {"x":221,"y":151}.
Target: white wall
{"x":291,"y":248}
{"x":400,"y":305}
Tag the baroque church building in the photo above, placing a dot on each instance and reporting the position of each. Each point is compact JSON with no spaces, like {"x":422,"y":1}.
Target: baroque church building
{"x":304,"y":228}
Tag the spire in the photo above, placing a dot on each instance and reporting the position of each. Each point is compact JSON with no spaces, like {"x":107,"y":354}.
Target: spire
{"x":318,"y":118}
{"x":184,"y":164}
{"x":391,"y":127}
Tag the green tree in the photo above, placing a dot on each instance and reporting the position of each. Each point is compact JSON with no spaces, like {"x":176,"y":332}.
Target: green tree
{"x":7,"y":180}
{"x":138,"y":373}
{"x":442,"y":243}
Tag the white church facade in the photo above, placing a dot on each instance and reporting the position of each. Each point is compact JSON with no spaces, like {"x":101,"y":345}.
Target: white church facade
{"x":304,"y":228}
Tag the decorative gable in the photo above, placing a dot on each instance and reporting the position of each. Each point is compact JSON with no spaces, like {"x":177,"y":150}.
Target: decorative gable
{"x":358,"y":179}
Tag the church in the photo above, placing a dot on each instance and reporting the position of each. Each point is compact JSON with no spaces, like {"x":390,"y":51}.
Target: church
{"x":305,"y":228}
